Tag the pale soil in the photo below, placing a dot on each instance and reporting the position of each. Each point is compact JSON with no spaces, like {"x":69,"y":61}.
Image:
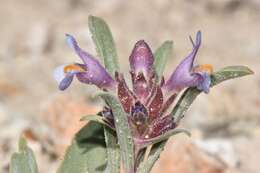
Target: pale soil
{"x":225,"y":123}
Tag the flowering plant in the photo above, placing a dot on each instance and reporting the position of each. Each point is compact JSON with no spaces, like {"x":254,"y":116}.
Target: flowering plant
{"x":137,"y":116}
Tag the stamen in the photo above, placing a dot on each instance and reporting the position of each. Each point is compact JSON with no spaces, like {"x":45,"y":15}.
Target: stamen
{"x":73,"y":67}
{"x":204,"y":68}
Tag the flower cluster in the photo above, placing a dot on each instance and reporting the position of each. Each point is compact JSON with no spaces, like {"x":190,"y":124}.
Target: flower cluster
{"x":146,"y":104}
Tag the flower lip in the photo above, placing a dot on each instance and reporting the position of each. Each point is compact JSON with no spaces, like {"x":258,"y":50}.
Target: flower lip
{"x":91,"y":72}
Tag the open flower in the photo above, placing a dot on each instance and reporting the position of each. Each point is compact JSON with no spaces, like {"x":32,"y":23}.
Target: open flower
{"x":188,"y":75}
{"x":90,"y":72}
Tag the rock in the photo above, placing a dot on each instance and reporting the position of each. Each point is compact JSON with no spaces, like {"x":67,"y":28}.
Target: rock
{"x":220,"y":148}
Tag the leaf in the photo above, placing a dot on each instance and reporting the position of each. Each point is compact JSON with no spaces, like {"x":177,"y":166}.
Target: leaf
{"x":184,"y":103}
{"x":87,"y":153}
{"x":113,"y":151}
{"x":191,"y":93}
{"x":123,"y":132}
{"x":104,"y":42}
{"x":146,"y":142}
{"x":147,"y":165}
{"x":24,"y":160}
{"x":95,"y":118}
{"x":229,"y":72}
{"x":161,"y":56}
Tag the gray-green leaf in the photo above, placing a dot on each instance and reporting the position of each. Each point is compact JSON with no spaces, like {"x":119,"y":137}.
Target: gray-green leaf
{"x":123,"y":131}
{"x":24,"y":160}
{"x":113,"y":151}
{"x":161,"y":55}
{"x":146,"y":142}
{"x":104,"y":42}
{"x":95,"y":118}
{"x":184,"y":103}
{"x":87,"y":153}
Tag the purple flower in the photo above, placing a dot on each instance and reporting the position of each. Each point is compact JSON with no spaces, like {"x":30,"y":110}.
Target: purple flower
{"x":90,"y":72}
{"x":188,"y":75}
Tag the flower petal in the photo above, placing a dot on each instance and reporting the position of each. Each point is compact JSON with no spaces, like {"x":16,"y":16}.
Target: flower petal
{"x":205,"y":82}
{"x":64,"y":76}
{"x":141,"y":59}
{"x":59,"y":73}
{"x":95,"y":73}
{"x":182,"y":76}
{"x":65,"y":83}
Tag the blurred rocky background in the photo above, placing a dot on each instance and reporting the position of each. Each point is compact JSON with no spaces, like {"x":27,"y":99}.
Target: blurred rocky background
{"x":224,"y":124}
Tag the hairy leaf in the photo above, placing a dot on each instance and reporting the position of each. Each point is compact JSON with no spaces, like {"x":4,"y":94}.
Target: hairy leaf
{"x":161,"y":56}
{"x":146,"y":142}
{"x":104,"y":42}
{"x":113,"y":151}
{"x":95,"y":118}
{"x":123,"y":132}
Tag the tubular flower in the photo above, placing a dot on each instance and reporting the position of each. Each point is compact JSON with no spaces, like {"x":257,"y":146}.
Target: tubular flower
{"x":188,"y":75}
{"x":90,"y":72}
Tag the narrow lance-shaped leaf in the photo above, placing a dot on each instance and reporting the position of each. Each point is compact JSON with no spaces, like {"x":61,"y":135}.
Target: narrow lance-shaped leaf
{"x":24,"y":160}
{"x":185,"y":101}
{"x":87,"y":153}
{"x":106,"y":50}
{"x":113,"y":151}
{"x":104,"y":42}
{"x":147,"y":165}
{"x":162,"y":54}
{"x":146,"y":142}
{"x":95,"y":118}
{"x":123,"y":132}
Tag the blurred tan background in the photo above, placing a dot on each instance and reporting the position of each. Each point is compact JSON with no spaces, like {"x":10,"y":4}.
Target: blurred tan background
{"x":224,"y":124}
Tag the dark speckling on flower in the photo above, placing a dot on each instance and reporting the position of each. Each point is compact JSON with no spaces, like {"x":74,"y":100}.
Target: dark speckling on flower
{"x":147,"y":103}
